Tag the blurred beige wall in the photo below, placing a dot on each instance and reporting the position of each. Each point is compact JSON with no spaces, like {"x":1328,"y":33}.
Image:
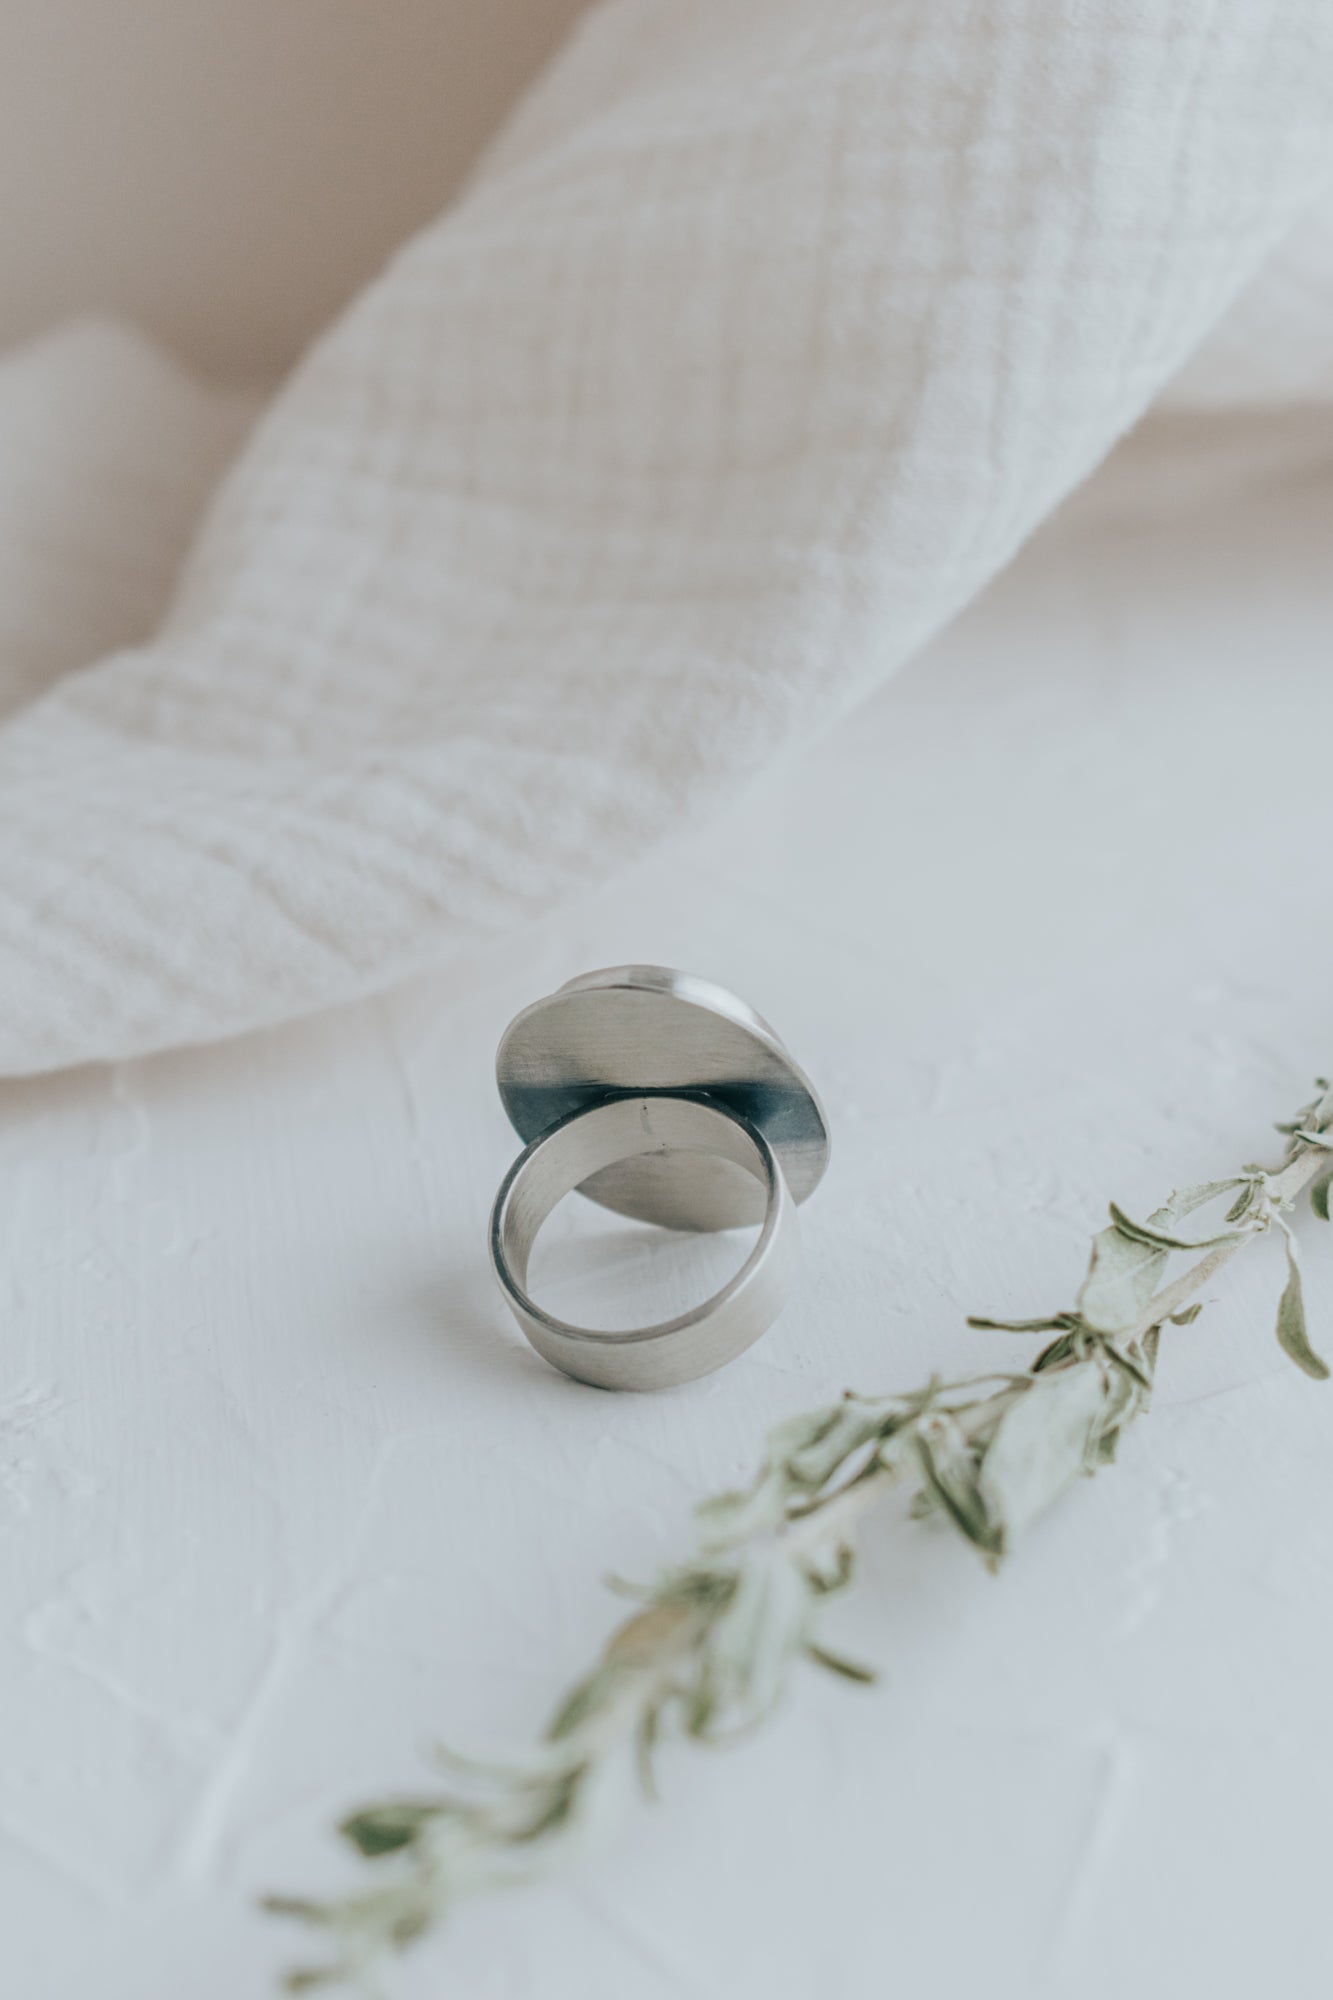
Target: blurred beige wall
{"x":228,"y":171}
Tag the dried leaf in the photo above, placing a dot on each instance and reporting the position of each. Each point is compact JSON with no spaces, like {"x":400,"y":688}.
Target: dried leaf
{"x":859,"y":1420}
{"x":731,"y":1518}
{"x":1122,"y":1276}
{"x":1047,"y":1438}
{"x":1061,"y":1350}
{"x":303,"y":1907}
{"x":1186,"y":1200}
{"x":850,"y":1670}
{"x":1127,"y":1362}
{"x":1142,"y":1232}
{"x":583,"y":1700}
{"x":751,"y":1644}
{"x":1291,"y":1334}
{"x":641,"y":1640}
{"x":831,"y":1568}
{"x":950,"y":1469}
{"x":553,"y":1805}
{"x":385,"y":1828}
{"x":1019,"y":1325}
{"x":711,"y":1646}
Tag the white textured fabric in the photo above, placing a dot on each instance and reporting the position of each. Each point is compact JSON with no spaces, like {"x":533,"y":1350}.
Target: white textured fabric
{"x":763,"y":338}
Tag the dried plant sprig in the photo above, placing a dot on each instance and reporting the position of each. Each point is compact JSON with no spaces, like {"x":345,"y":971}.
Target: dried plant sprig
{"x":709,"y":1650}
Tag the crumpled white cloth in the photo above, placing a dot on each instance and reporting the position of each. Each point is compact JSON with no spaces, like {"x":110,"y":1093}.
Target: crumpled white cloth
{"x":764,"y":336}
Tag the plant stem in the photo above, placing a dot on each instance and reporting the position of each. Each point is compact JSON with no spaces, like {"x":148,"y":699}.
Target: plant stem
{"x":1298,"y":1174}
{"x":710,"y":1644}
{"x":856,"y":1500}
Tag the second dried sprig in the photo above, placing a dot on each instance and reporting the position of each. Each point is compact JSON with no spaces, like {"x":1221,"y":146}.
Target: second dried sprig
{"x":709,"y":1650}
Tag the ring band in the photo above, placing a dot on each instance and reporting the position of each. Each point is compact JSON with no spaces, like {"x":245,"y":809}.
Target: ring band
{"x":664,"y":1097}
{"x":633,"y":1127}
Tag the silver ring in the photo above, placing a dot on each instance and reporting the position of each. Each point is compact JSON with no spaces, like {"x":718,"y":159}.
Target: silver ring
{"x":626,"y":1128}
{"x":663,"y":1097}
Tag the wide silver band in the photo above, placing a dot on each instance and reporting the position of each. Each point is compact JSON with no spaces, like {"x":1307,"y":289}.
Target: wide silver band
{"x":632,"y":1127}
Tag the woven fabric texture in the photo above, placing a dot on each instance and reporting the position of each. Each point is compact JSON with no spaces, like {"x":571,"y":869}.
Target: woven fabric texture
{"x":761,"y":340}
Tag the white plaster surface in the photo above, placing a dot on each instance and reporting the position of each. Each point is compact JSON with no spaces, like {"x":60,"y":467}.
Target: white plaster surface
{"x":284,"y":1497}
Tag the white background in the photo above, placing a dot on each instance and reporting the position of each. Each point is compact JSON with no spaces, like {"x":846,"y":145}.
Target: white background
{"x":285,"y":1497}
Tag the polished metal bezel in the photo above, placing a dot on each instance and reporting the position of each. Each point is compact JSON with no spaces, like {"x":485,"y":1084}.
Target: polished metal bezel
{"x":636,"y":1029}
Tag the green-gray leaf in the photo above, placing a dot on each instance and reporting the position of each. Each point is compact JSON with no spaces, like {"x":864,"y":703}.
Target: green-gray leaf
{"x":1049,"y":1325}
{"x":1044,"y":1441}
{"x":751,"y":1643}
{"x":850,"y":1670}
{"x":1064,"y":1348}
{"x":1140,"y":1232}
{"x":582,"y":1700}
{"x":1291,"y":1334}
{"x":383,"y":1829}
{"x":859,"y":1420}
{"x":728,"y":1519}
{"x":1122,"y":1276}
{"x":712,"y":1642}
{"x":1185,"y":1200}
{"x":949,"y":1467}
